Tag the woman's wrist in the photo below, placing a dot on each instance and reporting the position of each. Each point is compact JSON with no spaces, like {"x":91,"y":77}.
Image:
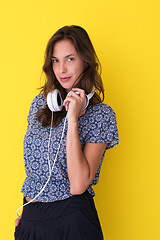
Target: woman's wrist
{"x":73,"y":122}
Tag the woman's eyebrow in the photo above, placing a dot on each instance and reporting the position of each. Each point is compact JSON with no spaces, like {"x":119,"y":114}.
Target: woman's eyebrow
{"x":65,"y":56}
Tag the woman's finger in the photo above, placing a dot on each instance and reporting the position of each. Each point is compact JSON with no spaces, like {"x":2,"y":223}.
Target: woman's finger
{"x":74,"y":94}
{"x":81,"y":91}
{"x":17,"y":222}
{"x":71,"y":98}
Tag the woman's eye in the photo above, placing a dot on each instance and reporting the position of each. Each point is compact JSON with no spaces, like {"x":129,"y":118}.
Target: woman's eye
{"x":70,"y":59}
{"x":54,"y":60}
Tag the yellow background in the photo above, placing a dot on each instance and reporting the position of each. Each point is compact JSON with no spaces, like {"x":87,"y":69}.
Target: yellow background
{"x":126,"y":38}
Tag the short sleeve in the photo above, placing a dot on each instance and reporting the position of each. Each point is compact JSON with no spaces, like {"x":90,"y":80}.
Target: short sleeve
{"x":102,"y":126}
{"x":37,"y":103}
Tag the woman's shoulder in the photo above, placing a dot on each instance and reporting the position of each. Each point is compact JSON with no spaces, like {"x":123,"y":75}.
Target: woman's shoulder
{"x":101,"y":108}
{"x":99,"y":113}
{"x":38,"y":101}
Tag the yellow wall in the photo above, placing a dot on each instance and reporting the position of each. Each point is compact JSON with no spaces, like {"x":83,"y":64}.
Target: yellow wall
{"x":126,"y":37}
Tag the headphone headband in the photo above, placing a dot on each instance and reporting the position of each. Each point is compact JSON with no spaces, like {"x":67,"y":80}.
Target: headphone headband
{"x":90,"y":95}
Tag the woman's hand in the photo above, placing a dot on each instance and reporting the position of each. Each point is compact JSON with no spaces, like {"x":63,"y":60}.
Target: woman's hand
{"x":17,"y":221}
{"x":74,"y":104}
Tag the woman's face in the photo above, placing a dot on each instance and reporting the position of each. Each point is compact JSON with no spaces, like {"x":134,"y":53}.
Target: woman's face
{"x":66,"y":63}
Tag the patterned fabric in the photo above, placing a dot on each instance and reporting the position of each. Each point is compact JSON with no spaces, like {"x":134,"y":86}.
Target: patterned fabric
{"x":97,"y":125}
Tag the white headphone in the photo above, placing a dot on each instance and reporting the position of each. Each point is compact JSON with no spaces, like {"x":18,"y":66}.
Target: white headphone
{"x":55,"y":101}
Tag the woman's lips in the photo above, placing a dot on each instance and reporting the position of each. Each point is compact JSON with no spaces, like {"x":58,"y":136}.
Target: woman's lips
{"x":65,"y":79}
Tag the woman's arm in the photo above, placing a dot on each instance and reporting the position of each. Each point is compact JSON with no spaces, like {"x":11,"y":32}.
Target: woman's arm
{"x":81,"y":165}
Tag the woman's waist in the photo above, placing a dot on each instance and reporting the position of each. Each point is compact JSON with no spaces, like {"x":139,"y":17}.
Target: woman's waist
{"x":36,"y":211}
{"x":54,"y":190}
{"x":38,"y":182}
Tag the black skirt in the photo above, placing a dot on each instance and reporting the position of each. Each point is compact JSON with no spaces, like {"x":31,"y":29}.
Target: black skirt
{"x":74,"y":218}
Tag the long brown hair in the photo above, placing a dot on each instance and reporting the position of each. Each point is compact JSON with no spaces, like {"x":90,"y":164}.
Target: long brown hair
{"x":90,"y":77}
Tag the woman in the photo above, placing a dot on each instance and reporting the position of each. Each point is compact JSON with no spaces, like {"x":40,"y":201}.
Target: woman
{"x":62,"y":162}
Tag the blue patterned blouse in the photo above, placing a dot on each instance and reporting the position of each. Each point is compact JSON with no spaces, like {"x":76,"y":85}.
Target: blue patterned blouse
{"x":97,"y":125}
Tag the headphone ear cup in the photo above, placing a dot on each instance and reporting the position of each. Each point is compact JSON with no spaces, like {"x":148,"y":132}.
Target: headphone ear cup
{"x":55,"y":101}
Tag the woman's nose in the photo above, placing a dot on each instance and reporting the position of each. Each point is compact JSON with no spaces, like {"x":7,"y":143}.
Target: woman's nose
{"x":62,"y":68}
